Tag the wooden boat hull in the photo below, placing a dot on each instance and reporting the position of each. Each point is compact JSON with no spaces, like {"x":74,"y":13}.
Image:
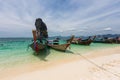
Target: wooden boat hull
{"x":117,"y":42}
{"x":39,"y":47}
{"x":85,"y":42}
{"x":110,"y":41}
{"x":102,"y":42}
{"x":106,"y":41}
{"x":61,"y":47}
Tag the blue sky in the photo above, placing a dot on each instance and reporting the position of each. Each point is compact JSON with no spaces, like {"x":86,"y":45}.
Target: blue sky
{"x":62,"y":17}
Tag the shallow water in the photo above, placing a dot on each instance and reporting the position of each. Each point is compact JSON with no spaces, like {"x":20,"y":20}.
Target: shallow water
{"x":15,"y":52}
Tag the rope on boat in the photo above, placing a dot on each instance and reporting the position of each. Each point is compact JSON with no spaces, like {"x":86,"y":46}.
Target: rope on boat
{"x":98,"y":65}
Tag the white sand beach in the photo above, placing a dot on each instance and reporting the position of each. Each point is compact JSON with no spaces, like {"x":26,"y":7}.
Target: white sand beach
{"x":97,"y":65}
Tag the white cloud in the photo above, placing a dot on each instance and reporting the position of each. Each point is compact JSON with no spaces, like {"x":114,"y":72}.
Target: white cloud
{"x":107,"y":29}
{"x":86,"y":16}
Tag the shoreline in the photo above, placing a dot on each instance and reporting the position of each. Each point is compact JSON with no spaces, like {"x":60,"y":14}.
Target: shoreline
{"x":33,"y":68}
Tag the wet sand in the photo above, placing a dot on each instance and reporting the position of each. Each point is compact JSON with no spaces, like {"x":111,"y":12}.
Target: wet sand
{"x":95,"y":65}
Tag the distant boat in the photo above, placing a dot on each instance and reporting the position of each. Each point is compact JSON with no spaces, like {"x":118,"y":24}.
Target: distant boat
{"x":116,"y":40}
{"x":104,"y":40}
{"x":60,"y":47}
{"x":83,"y":42}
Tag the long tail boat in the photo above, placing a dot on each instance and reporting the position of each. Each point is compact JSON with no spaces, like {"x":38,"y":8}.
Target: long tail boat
{"x":105,"y":40}
{"x":61,"y":47}
{"x":108,"y":41}
{"x":83,"y":42}
{"x":36,"y":46}
{"x":117,"y":40}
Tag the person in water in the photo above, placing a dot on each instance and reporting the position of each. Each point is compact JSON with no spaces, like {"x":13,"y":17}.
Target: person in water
{"x":41,"y":29}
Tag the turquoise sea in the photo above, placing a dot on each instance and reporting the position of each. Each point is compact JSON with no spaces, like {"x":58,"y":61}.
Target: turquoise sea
{"x":15,"y":52}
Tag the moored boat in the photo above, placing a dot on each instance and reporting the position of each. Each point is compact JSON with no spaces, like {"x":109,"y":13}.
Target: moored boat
{"x":36,"y":45}
{"x":83,"y":42}
{"x":110,"y":41}
{"x":60,"y":47}
{"x":105,"y":40}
